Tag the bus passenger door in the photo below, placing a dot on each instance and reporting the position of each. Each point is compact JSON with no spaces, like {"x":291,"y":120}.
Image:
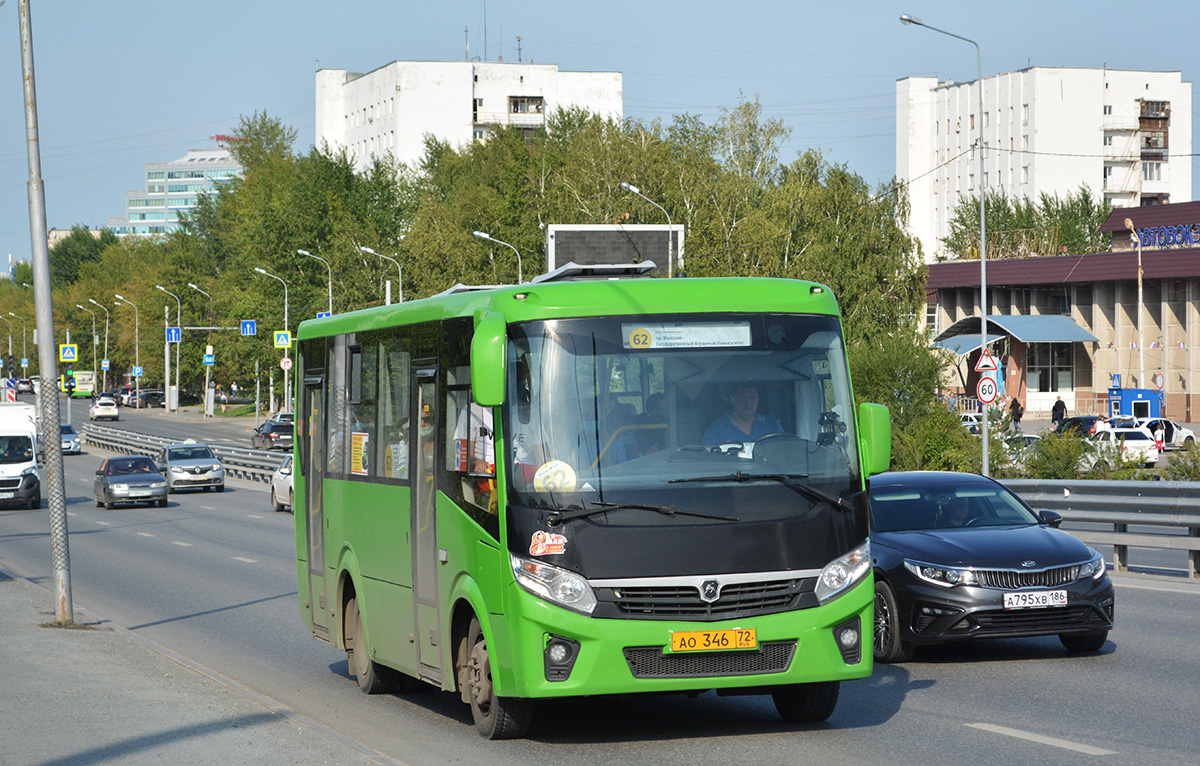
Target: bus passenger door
{"x":424,"y":532}
{"x":314,"y":505}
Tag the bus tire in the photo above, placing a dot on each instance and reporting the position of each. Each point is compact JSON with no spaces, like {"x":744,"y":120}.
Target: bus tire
{"x":495,"y":717}
{"x":806,"y":703}
{"x":372,"y":678}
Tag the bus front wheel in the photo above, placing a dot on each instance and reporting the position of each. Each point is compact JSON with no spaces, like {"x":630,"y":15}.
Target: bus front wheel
{"x":806,"y":703}
{"x":372,"y":678}
{"x":495,"y":717}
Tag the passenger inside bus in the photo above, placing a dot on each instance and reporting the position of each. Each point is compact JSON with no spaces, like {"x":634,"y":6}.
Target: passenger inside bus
{"x":742,"y":422}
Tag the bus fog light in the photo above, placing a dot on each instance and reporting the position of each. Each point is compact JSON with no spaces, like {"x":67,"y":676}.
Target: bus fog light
{"x":849,"y":641}
{"x":558,"y":652}
{"x":848,"y":637}
{"x":560,"y":657}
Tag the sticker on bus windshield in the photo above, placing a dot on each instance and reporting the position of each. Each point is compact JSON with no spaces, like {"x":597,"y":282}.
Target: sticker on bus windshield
{"x":555,"y":476}
{"x":686,"y":335}
{"x":547,"y":544}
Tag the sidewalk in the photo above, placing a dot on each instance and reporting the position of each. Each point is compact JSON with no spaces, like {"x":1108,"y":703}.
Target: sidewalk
{"x":96,"y":694}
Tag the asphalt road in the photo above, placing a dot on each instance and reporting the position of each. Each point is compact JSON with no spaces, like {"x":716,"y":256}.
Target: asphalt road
{"x":213,"y":578}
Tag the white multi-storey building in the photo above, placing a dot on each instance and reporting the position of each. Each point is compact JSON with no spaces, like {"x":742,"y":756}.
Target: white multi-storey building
{"x":1127,"y":134}
{"x":173,"y":188}
{"x":394,"y":107}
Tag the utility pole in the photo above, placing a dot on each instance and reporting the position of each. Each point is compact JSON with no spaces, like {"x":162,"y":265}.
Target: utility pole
{"x":64,"y":609}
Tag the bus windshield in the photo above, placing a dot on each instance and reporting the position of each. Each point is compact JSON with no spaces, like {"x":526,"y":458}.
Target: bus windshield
{"x":703,"y":418}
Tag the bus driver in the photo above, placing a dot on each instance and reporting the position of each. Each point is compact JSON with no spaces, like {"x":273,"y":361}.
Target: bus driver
{"x":743,"y":422}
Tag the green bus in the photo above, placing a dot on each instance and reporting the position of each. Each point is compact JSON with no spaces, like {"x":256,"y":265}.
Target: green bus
{"x":589,"y":486}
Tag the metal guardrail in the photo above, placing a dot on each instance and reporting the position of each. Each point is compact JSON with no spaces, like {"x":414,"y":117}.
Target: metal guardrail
{"x":1164,"y":506}
{"x":251,"y":464}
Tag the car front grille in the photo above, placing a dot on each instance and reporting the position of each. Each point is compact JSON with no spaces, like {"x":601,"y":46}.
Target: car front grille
{"x":653,"y":662}
{"x":668,"y":602}
{"x":1010,"y":579}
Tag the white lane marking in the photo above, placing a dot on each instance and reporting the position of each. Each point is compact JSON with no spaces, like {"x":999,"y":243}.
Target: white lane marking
{"x":248,"y":561}
{"x":71,"y":513}
{"x":1182,"y":589}
{"x":253,"y":516}
{"x":144,"y":534}
{"x":185,"y":545}
{"x":104,"y":523}
{"x":1041,"y":740}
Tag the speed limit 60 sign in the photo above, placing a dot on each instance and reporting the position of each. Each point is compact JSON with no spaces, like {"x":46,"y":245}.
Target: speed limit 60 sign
{"x":986,"y":390}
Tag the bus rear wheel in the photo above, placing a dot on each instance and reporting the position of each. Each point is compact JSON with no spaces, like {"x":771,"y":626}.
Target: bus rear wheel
{"x":495,"y":717}
{"x":372,"y":678}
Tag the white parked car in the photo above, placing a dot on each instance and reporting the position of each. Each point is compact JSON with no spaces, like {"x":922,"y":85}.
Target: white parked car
{"x":104,"y":409}
{"x":1136,"y":443}
{"x":281,"y":486}
{"x":1174,"y":434}
{"x":972,"y":421}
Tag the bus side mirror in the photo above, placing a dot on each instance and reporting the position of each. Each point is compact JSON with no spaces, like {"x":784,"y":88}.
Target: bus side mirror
{"x":874,"y":438}
{"x":488,"y":351}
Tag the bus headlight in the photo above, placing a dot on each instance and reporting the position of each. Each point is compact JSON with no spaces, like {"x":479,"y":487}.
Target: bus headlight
{"x":843,"y":573}
{"x":556,"y":585}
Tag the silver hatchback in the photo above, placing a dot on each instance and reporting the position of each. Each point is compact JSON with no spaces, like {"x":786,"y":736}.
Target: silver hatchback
{"x":188,"y":466}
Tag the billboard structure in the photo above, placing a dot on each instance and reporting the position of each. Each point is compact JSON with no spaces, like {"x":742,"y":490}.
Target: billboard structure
{"x":604,"y":243}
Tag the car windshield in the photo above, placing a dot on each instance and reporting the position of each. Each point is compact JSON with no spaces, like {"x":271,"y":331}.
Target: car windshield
{"x":17,"y":449}
{"x":730,"y":415}
{"x":67,"y":429}
{"x":199,"y":452}
{"x":902,"y":509}
{"x":123,"y":466}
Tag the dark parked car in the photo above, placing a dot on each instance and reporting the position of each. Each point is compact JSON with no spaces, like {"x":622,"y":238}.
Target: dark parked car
{"x":151,"y":398}
{"x":129,"y":479}
{"x":1081,"y":425}
{"x":190,"y":465}
{"x":958,"y":556}
{"x":271,"y":435}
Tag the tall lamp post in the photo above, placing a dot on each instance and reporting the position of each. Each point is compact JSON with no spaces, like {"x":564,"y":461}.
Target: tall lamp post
{"x":1141,"y":344}
{"x":399,"y":276}
{"x":103,"y":371}
{"x":490,"y":238}
{"x":211,"y":322}
{"x":327,"y":266}
{"x":137,"y":348}
{"x":670,"y":244}
{"x":95,"y":341}
{"x":287,"y":376}
{"x":24,"y":327}
{"x":179,"y":324}
{"x":983,"y":301}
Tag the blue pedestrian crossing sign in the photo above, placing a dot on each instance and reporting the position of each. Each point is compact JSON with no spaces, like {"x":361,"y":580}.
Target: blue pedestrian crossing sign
{"x":137,"y":372}
{"x":103,"y":364}
{"x":68,"y":352}
{"x":283,"y":339}
{"x":210,"y":359}
{"x":323,"y":314}
{"x":174,"y":335}
{"x":249,"y":327}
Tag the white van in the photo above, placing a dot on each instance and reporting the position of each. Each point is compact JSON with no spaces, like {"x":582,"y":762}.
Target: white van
{"x":20,"y":482}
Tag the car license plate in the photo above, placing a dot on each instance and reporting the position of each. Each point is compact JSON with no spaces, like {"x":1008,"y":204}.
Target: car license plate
{"x":7,"y":495}
{"x":713,"y":640}
{"x":1035,"y":600}
{"x":140,"y":493}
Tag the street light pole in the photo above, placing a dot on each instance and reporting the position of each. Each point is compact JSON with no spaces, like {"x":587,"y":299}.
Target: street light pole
{"x":137,"y":350}
{"x":670,"y":246}
{"x":327,"y":266}
{"x":983,"y":300}
{"x":103,"y":371}
{"x":24,"y":327}
{"x":211,"y":322}
{"x":94,"y":341}
{"x":287,"y":376}
{"x":399,"y":275}
{"x":179,"y":323}
{"x":490,"y":238}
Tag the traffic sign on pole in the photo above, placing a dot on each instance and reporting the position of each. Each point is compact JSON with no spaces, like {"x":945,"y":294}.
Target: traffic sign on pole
{"x":986,"y":390}
{"x":104,"y":364}
{"x":283,"y":339}
{"x":174,"y":334}
{"x":249,"y":327}
{"x":210,"y":359}
{"x":986,"y":363}
{"x":137,"y":372}
{"x":285,"y":363}
{"x":68,"y":352}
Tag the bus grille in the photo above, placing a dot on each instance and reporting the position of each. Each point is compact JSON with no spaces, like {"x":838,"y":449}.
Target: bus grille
{"x":683,"y":602}
{"x":652,"y":662}
{"x":1011,"y":579}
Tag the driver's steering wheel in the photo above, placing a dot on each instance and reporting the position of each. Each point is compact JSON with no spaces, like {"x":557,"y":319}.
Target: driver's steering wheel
{"x":974,"y":522}
{"x":727,"y":447}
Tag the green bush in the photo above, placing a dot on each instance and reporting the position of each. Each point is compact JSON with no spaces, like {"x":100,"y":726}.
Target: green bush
{"x":1056,"y":456}
{"x":1184,"y":465}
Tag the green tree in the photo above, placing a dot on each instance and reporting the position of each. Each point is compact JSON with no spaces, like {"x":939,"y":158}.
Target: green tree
{"x":1020,"y":226}
{"x":76,"y":249}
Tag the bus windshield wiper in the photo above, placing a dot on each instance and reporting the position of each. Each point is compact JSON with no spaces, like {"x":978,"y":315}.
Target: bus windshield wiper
{"x":788,"y":480}
{"x":559,"y":517}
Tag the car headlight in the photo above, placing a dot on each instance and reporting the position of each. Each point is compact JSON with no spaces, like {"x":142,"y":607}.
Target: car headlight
{"x":119,"y":487}
{"x":559,"y":586}
{"x":30,"y":470}
{"x":158,"y":485}
{"x":1094,"y":568}
{"x":177,"y":469}
{"x":843,"y":573}
{"x":947,"y":577}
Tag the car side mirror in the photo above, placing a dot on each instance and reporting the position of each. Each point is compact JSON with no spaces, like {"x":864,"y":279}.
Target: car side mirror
{"x":286,"y":472}
{"x":1051,"y":517}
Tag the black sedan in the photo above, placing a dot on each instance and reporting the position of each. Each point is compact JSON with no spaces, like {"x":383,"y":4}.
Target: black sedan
{"x":271,"y":435}
{"x":958,"y":556}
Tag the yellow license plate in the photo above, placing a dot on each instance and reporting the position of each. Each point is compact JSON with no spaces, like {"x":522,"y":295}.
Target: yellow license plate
{"x":714,"y":640}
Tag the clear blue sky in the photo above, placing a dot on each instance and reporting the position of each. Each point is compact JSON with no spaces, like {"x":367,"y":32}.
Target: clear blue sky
{"x":123,"y":83}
